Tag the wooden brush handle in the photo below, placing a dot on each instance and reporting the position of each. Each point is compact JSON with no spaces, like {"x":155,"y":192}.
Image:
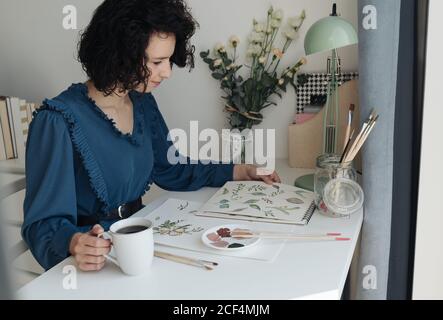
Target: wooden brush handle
{"x":180,"y":259}
{"x":347,"y":134}
{"x":311,"y":238}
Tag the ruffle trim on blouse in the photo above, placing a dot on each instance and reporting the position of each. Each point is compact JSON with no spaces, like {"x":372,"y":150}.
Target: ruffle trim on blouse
{"x":95,"y":176}
{"x":136,"y":138}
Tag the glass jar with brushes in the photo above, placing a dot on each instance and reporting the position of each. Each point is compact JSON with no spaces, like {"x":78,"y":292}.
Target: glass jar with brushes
{"x":337,"y":193}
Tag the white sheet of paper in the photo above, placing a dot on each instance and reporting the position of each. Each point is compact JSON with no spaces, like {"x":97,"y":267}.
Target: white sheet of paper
{"x":176,"y":225}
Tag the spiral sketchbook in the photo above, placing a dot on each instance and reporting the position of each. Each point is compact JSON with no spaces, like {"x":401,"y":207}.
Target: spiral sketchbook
{"x":258,"y":201}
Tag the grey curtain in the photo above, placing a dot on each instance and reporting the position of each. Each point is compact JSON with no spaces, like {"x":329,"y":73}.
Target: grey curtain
{"x":378,"y":56}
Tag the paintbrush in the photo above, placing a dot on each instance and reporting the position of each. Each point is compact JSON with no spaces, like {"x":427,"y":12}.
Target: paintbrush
{"x":362,"y":140}
{"x":359,"y":140}
{"x":247,"y":234}
{"x":238,"y":233}
{"x":347,"y":146}
{"x":208,"y":265}
{"x":293,"y":237}
{"x":348,"y":126}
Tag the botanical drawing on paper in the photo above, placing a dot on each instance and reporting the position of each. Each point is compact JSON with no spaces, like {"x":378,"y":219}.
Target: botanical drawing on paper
{"x":235,"y":192}
{"x":173,"y":228}
{"x":258,"y":199}
{"x":183,"y":206}
{"x":277,"y":192}
{"x":223,"y":204}
{"x":256,"y":188}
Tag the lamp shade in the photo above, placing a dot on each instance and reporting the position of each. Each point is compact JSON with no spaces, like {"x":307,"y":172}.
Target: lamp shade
{"x":329,"y":33}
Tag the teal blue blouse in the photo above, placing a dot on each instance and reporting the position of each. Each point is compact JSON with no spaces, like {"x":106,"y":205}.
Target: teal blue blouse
{"x":79,"y":163}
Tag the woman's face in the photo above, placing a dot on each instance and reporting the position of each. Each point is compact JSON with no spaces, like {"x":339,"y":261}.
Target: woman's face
{"x":159,"y":51}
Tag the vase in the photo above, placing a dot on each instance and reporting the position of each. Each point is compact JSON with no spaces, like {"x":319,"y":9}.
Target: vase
{"x":237,"y":147}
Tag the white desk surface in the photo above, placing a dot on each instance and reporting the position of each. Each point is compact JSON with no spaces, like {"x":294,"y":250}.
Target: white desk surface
{"x":303,"y":270}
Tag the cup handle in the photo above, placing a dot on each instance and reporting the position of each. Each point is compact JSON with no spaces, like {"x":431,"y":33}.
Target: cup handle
{"x":107,"y":236}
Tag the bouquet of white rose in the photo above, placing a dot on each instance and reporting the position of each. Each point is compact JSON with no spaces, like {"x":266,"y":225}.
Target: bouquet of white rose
{"x":247,"y":97}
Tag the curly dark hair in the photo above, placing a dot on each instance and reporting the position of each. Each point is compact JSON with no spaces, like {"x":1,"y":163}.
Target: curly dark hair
{"x":112,"y":48}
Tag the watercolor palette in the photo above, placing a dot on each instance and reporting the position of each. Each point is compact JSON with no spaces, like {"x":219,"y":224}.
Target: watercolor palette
{"x":220,"y":238}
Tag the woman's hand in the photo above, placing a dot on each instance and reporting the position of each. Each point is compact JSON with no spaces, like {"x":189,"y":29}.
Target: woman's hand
{"x":89,"y":250}
{"x":249,"y":172}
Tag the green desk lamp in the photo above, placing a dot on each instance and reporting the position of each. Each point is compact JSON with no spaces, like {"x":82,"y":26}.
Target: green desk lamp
{"x":329,"y":33}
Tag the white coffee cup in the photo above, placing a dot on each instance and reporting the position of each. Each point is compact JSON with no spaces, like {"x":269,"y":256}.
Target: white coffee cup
{"x":134,"y":251}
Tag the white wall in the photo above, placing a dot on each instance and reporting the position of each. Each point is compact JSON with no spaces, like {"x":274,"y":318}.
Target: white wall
{"x":428,"y":267}
{"x":37,"y":56}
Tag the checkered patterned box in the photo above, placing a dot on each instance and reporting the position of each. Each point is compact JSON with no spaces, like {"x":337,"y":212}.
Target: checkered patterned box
{"x":317,"y":87}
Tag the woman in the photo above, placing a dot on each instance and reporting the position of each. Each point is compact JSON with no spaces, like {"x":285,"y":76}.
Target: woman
{"x":96,"y":148}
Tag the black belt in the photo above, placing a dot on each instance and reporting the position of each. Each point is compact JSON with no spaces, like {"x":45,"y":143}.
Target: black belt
{"x":122,"y":212}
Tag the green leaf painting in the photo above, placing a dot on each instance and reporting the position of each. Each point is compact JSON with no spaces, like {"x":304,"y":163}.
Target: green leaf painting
{"x":251,"y":201}
{"x":239,"y":209}
{"x":236,"y":190}
{"x":256,"y":188}
{"x":276,"y":193}
{"x":258,"y":194}
{"x":254,"y":206}
{"x":223,"y":204}
{"x":239,"y":187}
{"x":295,"y":200}
{"x":182,"y":206}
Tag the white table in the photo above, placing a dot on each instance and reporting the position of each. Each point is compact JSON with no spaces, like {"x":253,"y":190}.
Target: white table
{"x":308,"y":270}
